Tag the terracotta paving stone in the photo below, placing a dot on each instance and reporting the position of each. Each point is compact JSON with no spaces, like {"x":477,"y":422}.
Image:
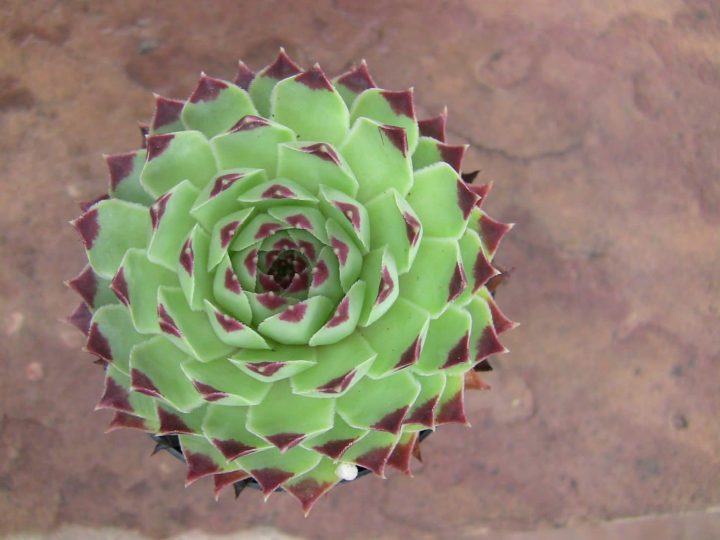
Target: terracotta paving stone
{"x":598,"y":121}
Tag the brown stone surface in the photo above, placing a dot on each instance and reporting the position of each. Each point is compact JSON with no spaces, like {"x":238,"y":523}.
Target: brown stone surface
{"x":599,"y":122}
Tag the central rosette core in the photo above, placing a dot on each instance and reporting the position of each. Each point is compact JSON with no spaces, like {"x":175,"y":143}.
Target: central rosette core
{"x":285,"y":270}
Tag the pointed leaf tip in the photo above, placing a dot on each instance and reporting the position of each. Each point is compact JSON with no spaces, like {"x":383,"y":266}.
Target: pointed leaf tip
{"x":357,"y":79}
{"x":167,"y":112}
{"x":315,"y":79}
{"x":397,"y":136}
{"x":244,"y":76}
{"x":401,"y":102}
{"x":88,"y":227}
{"x":282,"y":67}
{"x":207,"y":89}
{"x":434,"y":127}
{"x":80,"y":318}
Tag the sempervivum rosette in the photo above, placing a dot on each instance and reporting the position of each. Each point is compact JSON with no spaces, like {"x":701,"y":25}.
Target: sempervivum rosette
{"x":291,"y":278}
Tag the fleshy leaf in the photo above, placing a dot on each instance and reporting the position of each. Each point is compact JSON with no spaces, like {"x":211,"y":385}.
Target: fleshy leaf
{"x":422,"y":414}
{"x":109,"y":229}
{"x":347,"y":252}
{"x":273,"y":365}
{"x":314,"y":164}
{"x":401,"y":229}
{"x":372,"y":451}
{"x":220,"y":196}
{"x":136,"y":284}
{"x":223,"y":233}
{"x":232,"y":331}
{"x":215,"y":106}
{"x":166,"y":117}
{"x":340,"y":365}
{"x":343,"y":321}
{"x":390,"y":108}
{"x":381,"y":276}
{"x":390,"y":166}
{"x":437,"y":276}
{"x":252,"y":142}
{"x":379,"y":404}
{"x":296,"y":324}
{"x":271,"y":467}
{"x":265,"y":80}
{"x":447,"y":345}
{"x":434,"y":127}
{"x":500,"y":320}
{"x":225,"y":429}
{"x":353,"y":82}
{"x":483,"y":338}
{"x":112,"y":336}
{"x":301,"y":217}
{"x":431,"y":151}
{"x":174,"y":157}
{"x":348,"y":213}
{"x":171,"y":223}
{"x":228,"y":292}
{"x":335,"y":441}
{"x":192,"y":268}
{"x":309,"y":487}
{"x":451,"y":406}
{"x":309,"y":105}
{"x":442,"y":201}
{"x":186,"y":328}
{"x":326,"y":275}
{"x":94,"y":289}
{"x":118,"y":395}
{"x":402,"y":453}
{"x":491,"y":231}
{"x":125,"y":177}
{"x":398,"y":337}
{"x":259,"y":228}
{"x":175,"y":422}
{"x":155,"y":369}
{"x":203,"y":459}
{"x":284,"y":418}
{"x":221,"y":382}
{"x":478,"y":269}
{"x":276,"y":192}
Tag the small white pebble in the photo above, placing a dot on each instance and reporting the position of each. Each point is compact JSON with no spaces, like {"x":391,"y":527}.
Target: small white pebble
{"x":347,"y":471}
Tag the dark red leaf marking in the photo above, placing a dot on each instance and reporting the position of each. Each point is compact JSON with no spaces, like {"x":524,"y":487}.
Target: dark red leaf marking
{"x":338,"y":384}
{"x":85,"y":284}
{"x":269,"y":479}
{"x":98,"y":344}
{"x":500,"y":321}
{"x":375,"y":459}
{"x":299,"y":221}
{"x":320,"y":274}
{"x":115,"y":397}
{"x":250,"y":262}
{"x":281,"y":68}
{"x":244,"y":76}
{"x":120,"y":167}
{"x":143,"y":384}
{"x":434,"y":127}
{"x":228,"y":323}
{"x":294,"y":314}
{"x":271,"y":301}
{"x":268,"y":283}
{"x":233,"y":449}
{"x":308,"y":249}
{"x":119,"y":286}
{"x":171,"y":423}
{"x":166,"y":112}
{"x":452,"y":155}
{"x":492,"y":232}
{"x":397,"y":136}
{"x":224,"y":182}
{"x":323,"y":151}
{"x":452,"y":411}
{"x":285,"y":441}
{"x":80,"y":318}
{"x":402,"y":454}
{"x":199,"y":466}
{"x":458,"y":283}
{"x":315,"y":79}
{"x":341,"y":250}
{"x":222,"y":480}
{"x":466,"y":199}
{"x":248,"y":123}
{"x":308,"y":491}
{"x":87,"y":205}
{"x":88,"y":227}
{"x":459,"y":354}
{"x":412,"y":227}
{"x":187,"y":257}
{"x":342,"y":314}
{"x":284,"y":244}
{"x":167,"y":324}
{"x":482,"y":271}
{"x":357,"y":79}
{"x":411,"y":355}
{"x":232,"y":283}
{"x":400,"y":102}
{"x":392,"y":421}
{"x":386,"y":286}
{"x":266,"y":229}
{"x":276,"y":191}
{"x":488,"y":344}
{"x":207,"y":89}
{"x":208,"y":392}
{"x":227,"y":233}
{"x":266,"y":369}
{"x":299,"y":282}
{"x":334,"y":449}
{"x":424,"y":414}
{"x":481,"y":190}
{"x":157,"y":210}
{"x":351,"y":212}
{"x":124,"y":420}
{"x":157,"y":144}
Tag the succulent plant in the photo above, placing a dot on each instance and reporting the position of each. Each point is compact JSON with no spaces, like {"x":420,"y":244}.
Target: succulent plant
{"x":291,"y":277}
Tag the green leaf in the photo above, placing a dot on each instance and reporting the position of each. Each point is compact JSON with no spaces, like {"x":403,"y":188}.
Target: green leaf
{"x":225,"y":429}
{"x":296,"y":324}
{"x":223,"y":233}
{"x":380,"y":274}
{"x":422,"y":413}
{"x":203,"y":459}
{"x":348,"y":213}
{"x":262,"y":85}
{"x":315,"y":164}
{"x":326,"y":276}
{"x":232,"y":331}
{"x":372,"y":451}
{"x":281,"y":362}
{"x":221,"y":382}
{"x":271,"y":467}
{"x":228,"y":292}
{"x":125,"y":172}
{"x":348,"y":254}
{"x":302,"y":217}
{"x":112,"y":336}
{"x":309,"y":487}
{"x":192,"y":268}
{"x":387,"y":107}
{"x":447,"y":345}
{"x":335,"y":441}
{"x":430,"y":151}
{"x":344,"y":319}
{"x":277,"y":192}
{"x":215,"y":106}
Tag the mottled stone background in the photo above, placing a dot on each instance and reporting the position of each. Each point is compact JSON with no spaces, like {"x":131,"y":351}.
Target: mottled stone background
{"x":599,"y":121}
